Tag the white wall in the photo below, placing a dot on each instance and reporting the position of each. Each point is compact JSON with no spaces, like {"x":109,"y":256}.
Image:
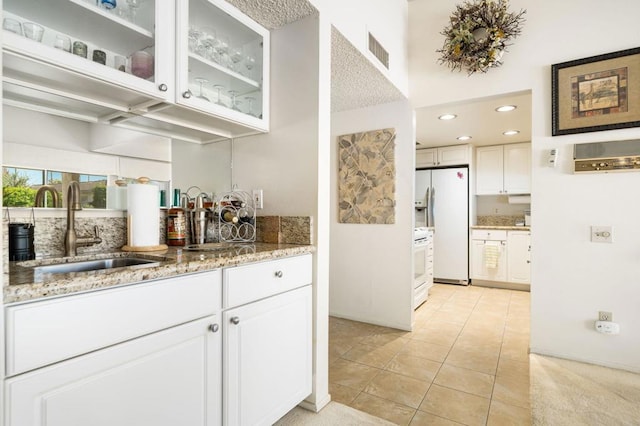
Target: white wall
{"x":206,"y":166}
{"x":386,"y":20}
{"x":290,"y":163}
{"x":371,"y":265}
{"x":57,"y":143}
{"x":572,"y":279}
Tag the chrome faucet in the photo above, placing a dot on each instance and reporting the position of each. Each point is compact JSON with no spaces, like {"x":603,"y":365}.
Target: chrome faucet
{"x":42,"y":193}
{"x":71,"y":240}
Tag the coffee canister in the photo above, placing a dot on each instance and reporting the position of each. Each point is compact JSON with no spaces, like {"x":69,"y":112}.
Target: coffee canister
{"x":176,"y":227}
{"x":21,"y":241}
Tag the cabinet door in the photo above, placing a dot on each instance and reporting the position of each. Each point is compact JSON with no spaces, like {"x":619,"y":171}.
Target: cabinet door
{"x":426,"y":157}
{"x":267,"y":358}
{"x":453,"y":155}
{"x":519,"y":255}
{"x":107,"y":76}
{"x":489,"y":170}
{"x":517,"y":168}
{"x":164,"y":379}
{"x":222,"y":62}
{"x":479,"y":268}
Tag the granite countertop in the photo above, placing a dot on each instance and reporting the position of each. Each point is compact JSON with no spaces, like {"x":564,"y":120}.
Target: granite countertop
{"x":25,"y":285}
{"x":507,"y":228}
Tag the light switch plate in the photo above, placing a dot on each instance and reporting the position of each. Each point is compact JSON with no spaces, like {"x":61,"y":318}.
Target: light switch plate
{"x":601,"y":234}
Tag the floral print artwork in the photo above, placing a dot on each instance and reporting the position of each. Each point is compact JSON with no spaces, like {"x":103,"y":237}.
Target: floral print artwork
{"x":366,"y":177}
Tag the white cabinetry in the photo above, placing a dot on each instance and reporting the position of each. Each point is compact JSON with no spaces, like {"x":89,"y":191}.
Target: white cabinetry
{"x":167,"y":378}
{"x":145,"y":354}
{"x":165,"y":101}
{"x":489,"y":255}
{"x":267,"y":340}
{"x":503,"y":169}
{"x":519,"y":257}
{"x":511,"y":250}
{"x":443,"y":156}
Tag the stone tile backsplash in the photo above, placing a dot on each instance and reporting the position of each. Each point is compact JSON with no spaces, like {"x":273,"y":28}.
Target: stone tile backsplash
{"x":284,"y":229}
{"x":497,"y":220}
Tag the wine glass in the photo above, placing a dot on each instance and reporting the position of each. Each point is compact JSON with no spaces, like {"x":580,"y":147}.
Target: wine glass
{"x":207,"y":43}
{"x":201,"y":81}
{"x":234,"y":101}
{"x":194,"y":38}
{"x":235,"y":54}
{"x":250,"y":100}
{"x":222,"y":48}
{"x":133,"y":6}
{"x":249,"y":62}
{"x":219,"y":88}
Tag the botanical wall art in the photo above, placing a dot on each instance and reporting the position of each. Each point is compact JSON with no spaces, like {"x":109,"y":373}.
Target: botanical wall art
{"x":478,"y":34}
{"x":596,"y":93}
{"x":366,"y":177}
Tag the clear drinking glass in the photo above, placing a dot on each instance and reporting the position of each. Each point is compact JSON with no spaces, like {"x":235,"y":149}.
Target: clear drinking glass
{"x":219,"y":88}
{"x":250,"y":100}
{"x":194,"y":38}
{"x":249,"y":63}
{"x":33,"y":31}
{"x":62,"y":42}
{"x":234,"y":102}
{"x":201,"y":81}
{"x":235,"y":54}
{"x":12,"y":26}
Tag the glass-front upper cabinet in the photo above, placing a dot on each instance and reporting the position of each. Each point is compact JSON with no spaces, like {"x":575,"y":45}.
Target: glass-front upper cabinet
{"x":222,"y":63}
{"x":66,"y":54}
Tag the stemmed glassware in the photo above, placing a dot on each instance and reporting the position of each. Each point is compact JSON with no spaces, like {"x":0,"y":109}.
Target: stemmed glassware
{"x":222,"y":48}
{"x":235,"y":54}
{"x":219,"y":88}
{"x":133,"y":6}
{"x":234,"y":101}
{"x":249,"y":62}
{"x":201,"y":81}
{"x":250,"y":100}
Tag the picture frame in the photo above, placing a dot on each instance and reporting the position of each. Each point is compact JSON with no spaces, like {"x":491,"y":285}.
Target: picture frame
{"x":596,"y":93}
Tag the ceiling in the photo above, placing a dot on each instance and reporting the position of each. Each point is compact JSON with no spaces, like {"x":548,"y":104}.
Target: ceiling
{"x":357,"y":83}
{"x":476,"y":118}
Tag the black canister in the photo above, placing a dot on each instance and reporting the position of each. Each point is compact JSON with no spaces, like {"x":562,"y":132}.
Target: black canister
{"x":21,"y":241}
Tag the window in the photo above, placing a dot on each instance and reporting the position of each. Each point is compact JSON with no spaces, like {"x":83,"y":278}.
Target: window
{"x":20,"y":186}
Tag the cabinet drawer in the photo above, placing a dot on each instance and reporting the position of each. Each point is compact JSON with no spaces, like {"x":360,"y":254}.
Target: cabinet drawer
{"x":245,"y":284}
{"x":488,"y":234}
{"x":41,"y":333}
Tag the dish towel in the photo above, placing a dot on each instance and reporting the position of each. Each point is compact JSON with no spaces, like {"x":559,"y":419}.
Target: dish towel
{"x":491,"y":254}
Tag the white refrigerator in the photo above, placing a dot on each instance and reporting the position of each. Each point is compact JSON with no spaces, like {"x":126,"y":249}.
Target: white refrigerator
{"x":442,"y":202}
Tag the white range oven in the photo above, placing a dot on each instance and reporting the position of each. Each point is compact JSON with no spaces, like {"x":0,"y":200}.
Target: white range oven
{"x":422,"y":264}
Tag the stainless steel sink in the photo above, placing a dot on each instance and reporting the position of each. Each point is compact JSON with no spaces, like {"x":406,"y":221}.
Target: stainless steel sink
{"x":95,"y":265}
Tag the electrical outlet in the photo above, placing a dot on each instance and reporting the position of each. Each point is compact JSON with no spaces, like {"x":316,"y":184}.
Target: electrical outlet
{"x":257,"y":199}
{"x":601,"y":234}
{"x":605,"y":316}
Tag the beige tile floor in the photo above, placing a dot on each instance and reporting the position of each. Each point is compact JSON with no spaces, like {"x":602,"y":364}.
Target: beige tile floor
{"x":466,"y":361}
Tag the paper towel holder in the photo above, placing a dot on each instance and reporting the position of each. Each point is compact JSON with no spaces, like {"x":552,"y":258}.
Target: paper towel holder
{"x":129,"y":247}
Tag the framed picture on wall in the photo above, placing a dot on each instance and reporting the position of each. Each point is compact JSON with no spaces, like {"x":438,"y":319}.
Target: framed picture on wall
{"x":596,"y":93}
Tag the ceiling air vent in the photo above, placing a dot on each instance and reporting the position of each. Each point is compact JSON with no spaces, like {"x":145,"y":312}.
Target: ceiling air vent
{"x":378,"y":51}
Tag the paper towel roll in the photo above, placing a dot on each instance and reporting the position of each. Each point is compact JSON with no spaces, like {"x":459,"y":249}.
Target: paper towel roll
{"x":143,"y":215}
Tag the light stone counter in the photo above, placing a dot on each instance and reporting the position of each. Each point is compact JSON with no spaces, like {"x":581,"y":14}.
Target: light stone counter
{"x":506,"y":228}
{"x":25,"y":285}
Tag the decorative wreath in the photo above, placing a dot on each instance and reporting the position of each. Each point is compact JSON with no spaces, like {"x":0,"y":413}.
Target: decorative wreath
{"x":477,"y":35}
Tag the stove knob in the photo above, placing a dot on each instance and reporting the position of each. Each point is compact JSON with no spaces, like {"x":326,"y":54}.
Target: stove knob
{"x":602,"y":164}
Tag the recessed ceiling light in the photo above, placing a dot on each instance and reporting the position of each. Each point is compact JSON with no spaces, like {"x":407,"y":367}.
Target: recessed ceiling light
{"x":447,"y":117}
{"x":506,"y":108}
{"x":511,"y":132}
{"x":463,"y":138}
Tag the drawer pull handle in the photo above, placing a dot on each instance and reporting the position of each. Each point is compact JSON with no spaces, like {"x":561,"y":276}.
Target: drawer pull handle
{"x":278,"y":274}
{"x":235,"y":320}
{"x":214,"y":328}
